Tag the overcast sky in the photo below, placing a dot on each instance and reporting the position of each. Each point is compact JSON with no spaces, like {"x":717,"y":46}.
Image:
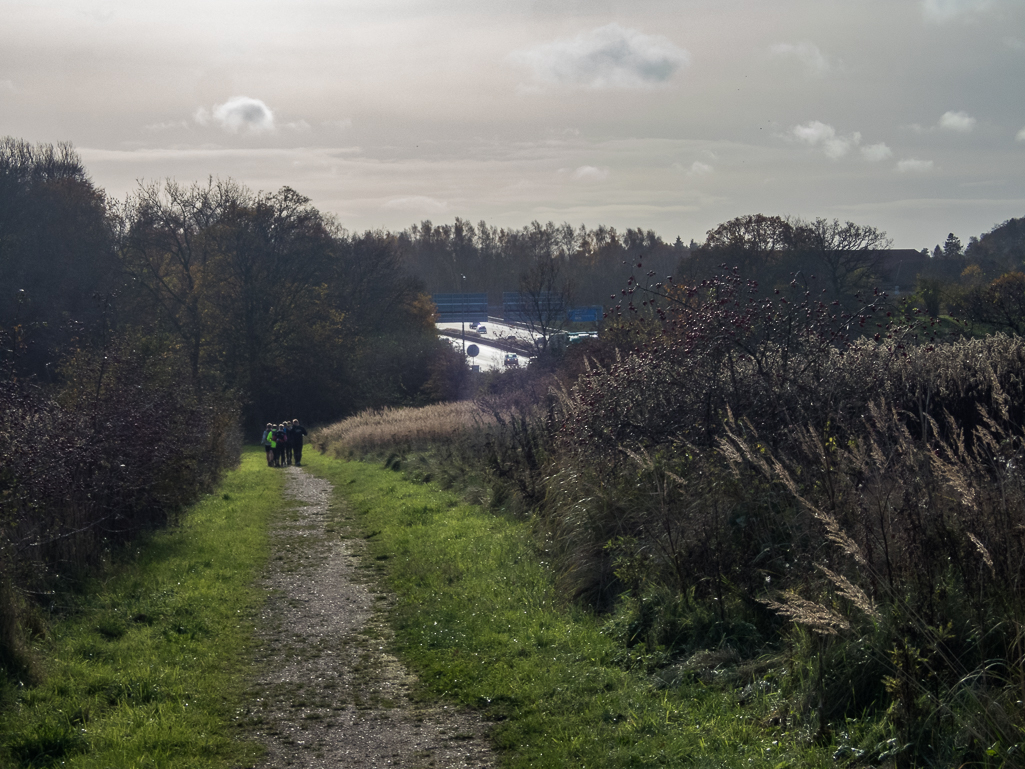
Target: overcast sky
{"x":908,"y":115}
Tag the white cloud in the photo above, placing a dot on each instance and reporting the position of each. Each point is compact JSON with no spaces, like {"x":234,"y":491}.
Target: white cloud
{"x":815,"y":63}
{"x":961,"y":122}
{"x":299,"y":125}
{"x":945,"y":10}
{"x":814,"y":132}
{"x":590,"y":174}
{"x":841,"y":145}
{"x":876,"y":152}
{"x":420,"y":203}
{"x":8,"y":85}
{"x":1021,"y":135}
{"x":239,"y":113}
{"x":914,"y":166}
{"x":819,"y":134}
{"x":608,"y":57}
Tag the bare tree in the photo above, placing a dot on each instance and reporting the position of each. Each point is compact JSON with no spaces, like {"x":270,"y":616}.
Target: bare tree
{"x":848,"y":254}
{"x":544,"y":290}
{"x":165,"y":249}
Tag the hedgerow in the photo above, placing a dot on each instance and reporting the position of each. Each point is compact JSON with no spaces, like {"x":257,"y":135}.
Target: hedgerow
{"x":119,"y":449}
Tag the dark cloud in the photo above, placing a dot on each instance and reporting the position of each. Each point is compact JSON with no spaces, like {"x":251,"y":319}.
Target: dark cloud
{"x":607,"y":57}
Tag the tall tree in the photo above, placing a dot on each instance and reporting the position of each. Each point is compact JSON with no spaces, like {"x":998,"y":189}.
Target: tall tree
{"x":370,"y":283}
{"x":56,"y":259}
{"x":758,"y":246}
{"x":952,"y":248}
{"x":544,"y":288}
{"x":275,"y":252}
{"x":848,"y":254}
{"x":166,"y":246}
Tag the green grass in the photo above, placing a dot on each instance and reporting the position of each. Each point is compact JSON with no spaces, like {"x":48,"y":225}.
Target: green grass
{"x":148,"y":669}
{"x":478,"y":619}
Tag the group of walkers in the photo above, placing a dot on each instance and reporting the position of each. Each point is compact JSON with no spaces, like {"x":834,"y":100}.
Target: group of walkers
{"x":284,"y":443}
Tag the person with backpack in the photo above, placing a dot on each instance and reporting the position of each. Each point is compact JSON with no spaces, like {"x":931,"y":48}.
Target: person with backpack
{"x":267,"y":441}
{"x":295,"y":441}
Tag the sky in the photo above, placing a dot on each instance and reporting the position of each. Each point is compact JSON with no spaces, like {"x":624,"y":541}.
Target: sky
{"x":673,"y":116}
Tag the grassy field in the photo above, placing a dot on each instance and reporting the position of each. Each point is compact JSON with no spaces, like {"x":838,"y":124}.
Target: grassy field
{"x":477,"y":618}
{"x":147,"y":670}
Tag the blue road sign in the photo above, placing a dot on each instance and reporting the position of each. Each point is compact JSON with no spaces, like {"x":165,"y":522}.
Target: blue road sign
{"x":585,"y":314}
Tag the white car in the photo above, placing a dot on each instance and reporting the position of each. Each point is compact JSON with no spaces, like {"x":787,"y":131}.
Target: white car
{"x":482,"y":330}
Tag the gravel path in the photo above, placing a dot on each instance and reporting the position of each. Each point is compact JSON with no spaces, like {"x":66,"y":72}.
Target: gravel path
{"x":328,"y":694}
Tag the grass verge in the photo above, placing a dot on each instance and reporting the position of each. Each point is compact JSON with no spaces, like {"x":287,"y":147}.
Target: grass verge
{"x":146,"y":669}
{"x":476,"y":617}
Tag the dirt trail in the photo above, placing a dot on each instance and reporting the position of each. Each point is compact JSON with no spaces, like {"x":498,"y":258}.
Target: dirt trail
{"x":328,"y":694}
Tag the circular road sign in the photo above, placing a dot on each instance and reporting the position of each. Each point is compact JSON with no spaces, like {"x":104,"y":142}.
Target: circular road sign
{"x":473,"y":351}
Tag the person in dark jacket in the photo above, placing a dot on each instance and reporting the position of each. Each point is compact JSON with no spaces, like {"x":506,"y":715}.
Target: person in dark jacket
{"x":295,"y":441}
{"x":280,"y":437}
{"x":288,"y":443}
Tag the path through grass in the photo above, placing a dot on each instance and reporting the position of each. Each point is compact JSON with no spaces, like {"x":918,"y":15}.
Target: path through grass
{"x":478,"y":620}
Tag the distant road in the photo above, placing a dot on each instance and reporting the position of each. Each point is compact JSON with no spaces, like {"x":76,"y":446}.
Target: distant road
{"x":493,"y":345}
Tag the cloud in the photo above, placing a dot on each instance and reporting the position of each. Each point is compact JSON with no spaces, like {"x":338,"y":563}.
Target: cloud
{"x":417,"y":203}
{"x":590,"y":174}
{"x":607,"y":57}
{"x":239,"y":113}
{"x":1021,"y":135}
{"x":298,"y":125}
{"x":814,"y":132}
{"x":8,"y":85}
{"x":961,"y":122}
{"x":819,"y":134}
{"x":945,"y":10}
{"x":815,"y":63}
{"x":876,"y":152}
{"x":698,"y":168}
{"x":914,"y":166}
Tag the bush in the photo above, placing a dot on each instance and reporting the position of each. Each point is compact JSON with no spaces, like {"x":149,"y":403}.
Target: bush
{"x":859,"y":503}
{"x":121,"y":449}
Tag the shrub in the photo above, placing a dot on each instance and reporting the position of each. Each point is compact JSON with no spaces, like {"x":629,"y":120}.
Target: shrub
{"x":120,"y":450}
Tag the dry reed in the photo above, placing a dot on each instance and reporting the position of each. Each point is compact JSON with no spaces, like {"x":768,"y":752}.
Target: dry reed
{"x":386,"y":429}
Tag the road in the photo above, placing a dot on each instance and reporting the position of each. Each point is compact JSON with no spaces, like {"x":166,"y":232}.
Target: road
{"x":490,"y":358}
